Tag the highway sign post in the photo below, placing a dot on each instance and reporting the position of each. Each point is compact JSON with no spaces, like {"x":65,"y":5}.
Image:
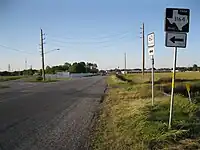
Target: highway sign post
{"x":151,"y":47}
{"x":176,"y":27}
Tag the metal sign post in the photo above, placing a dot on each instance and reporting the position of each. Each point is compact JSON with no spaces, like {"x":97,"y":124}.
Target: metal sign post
{"x":173,"y":85}
{"x":152,"y":75}
{"x":151,"y":47}
{"x":188,"y":90}
{"x":176,"y":27}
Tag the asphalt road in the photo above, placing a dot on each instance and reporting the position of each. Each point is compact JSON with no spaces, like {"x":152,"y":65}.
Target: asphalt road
{"x":49,"y":116}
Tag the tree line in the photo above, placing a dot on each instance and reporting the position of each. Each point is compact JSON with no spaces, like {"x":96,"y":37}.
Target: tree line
{"x":195,"y":67}
{"x":82,"y":67}
{"x":76,"y":67}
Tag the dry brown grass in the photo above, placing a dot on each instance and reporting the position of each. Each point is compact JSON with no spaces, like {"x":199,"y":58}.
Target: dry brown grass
{"x":138,"y":78}
{"x":128,"y":122}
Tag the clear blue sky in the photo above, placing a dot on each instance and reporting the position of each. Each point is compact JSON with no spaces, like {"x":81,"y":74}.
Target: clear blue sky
{"x":97,"y":31}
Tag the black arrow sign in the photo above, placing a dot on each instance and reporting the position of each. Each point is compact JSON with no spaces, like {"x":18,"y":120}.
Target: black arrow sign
{"x":173,"y":39}
{"x":151,"y":51}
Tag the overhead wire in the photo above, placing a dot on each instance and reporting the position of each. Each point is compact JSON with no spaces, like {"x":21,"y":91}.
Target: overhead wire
{"x":14,"y":49}
{"x":89,"y":42}
{"x":93,"y":38}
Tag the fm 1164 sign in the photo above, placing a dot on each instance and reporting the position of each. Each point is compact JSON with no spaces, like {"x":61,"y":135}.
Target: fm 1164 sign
{"x":177,"y":20}
{"x":176,"y":40}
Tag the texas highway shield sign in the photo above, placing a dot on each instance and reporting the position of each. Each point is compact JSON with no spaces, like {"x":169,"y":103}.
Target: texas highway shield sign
{"x":177,"y":20}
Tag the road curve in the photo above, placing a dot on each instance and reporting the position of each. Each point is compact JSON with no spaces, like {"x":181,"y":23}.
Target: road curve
{"x":53,"y":116}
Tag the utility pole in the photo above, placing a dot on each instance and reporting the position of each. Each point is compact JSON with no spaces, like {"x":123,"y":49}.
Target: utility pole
{"x":143,"y":49}
{"x":25,"y":64}
{"x":42,"y":53}
{"x":26,"y":71}
{"x":9,"y":68}
{"x":124,"y":61}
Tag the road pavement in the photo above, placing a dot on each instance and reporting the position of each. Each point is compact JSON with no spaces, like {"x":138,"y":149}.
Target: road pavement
{"x":49,"y":116}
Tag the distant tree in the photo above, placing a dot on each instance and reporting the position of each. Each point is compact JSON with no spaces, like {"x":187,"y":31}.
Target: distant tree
{"x":82,"y":63}
{"x":30,"y":72}
{"x":59,"y":68}
{"x":66,"y":66}
{"x":95,"y":65}
{"x":73,"y":68}
{"x":195,"y":67}
{"x":47,"y":67}
{"x":49,"y":70}
{"x":78,"y":67}
{"x":81,"y":68}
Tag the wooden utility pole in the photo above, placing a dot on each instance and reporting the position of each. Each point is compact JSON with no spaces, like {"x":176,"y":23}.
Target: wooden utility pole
{"x":26,"y":71}
{"x":9,"y":68}
{"x":25,"y":64}
{"x":124,"y":61}
{"x":42,"y":54}
{"x":143,"y":50}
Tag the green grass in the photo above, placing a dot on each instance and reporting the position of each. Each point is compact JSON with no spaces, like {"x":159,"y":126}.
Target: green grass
{"x":62,"y":79}
{"x":33,"y":79}
{"x":8,"y":78}
{"x":4,"y":86}
{"x":129,"y":122}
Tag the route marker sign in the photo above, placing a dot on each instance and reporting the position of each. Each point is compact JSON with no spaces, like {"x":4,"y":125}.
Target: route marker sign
{"x":151,"y":43}
{"x":177,"y":20}
{"x":151,"y":51}
{"x":151,"y":47}
{"x":151,"y":39}
{"x":176,"y":27}
{"x":176,"y":40}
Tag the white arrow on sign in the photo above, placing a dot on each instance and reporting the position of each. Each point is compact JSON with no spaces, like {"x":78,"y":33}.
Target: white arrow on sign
{"x":179,"y":20}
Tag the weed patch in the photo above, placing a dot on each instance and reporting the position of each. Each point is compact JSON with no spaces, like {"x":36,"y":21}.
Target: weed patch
{"x":129,"y":122}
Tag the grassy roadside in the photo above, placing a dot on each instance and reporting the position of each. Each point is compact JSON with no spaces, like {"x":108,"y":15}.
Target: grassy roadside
{"x":34,"y":79}
{"x":8,"y":78}
{"x":41,"y":81}
{"x":164,"y":77}
{"x":4,"y":86}
{"x":128,"y":122}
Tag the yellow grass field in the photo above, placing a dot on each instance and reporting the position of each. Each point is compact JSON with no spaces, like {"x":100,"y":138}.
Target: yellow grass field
{"x":139,"y":78}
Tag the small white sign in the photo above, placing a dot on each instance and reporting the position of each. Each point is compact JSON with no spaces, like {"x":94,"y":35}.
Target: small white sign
{"x":151,"y":50}
{"x":151,"y":39}
{"x":176,"y":40}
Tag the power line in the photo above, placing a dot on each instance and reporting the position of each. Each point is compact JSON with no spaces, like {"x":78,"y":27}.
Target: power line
{"x":14,"y":49}
{"x":100,"y":37}
{"x":106,"y":45}
{"x":88,"y":42}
